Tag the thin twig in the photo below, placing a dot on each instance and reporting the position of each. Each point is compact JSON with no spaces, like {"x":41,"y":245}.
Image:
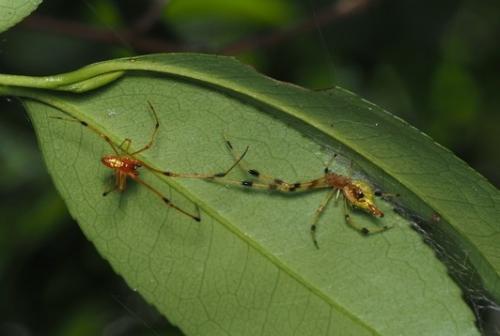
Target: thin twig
{"x":135,"y":38}
{"x":114,"y":37}
{"x":149,"y":17}
{"x":327,"y":15}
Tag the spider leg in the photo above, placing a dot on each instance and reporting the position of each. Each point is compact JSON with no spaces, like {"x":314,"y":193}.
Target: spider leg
{"x":153,"y":135}
{"x":92,"y":128}
{"x":122,"y":180}
{"x":120,"y":183}
{"x":245,"y":183}
{"x":196,"y":175}
{"x":361,"y":229}
{"x":245,"y":167}
{"x":165,"y":199}
{"x":263,"y":181}
{"x":107,"y":192}
{"x":382,"y":194}
{"x":317,"y":214}
{"x":329,"y":163}
{"x":125,"y":145}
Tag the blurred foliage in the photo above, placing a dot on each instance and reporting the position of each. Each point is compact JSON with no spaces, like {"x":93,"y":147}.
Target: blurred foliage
{"x":432,"y":63}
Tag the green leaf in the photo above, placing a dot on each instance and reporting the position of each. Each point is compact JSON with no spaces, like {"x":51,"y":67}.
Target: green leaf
{"x":13,"y":11}
{"x":249,"y":266}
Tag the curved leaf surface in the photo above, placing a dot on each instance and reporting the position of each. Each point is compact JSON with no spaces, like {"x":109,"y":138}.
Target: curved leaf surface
{"x":13,"y":11}
{"x":250,"y":267}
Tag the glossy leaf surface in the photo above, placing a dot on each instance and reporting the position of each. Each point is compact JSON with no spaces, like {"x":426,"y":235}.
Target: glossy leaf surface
{"x":13,"y":11}
{"x":249,"y":266}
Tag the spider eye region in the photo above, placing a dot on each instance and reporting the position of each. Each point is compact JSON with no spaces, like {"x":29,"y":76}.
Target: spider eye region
{"x":359,"y":194}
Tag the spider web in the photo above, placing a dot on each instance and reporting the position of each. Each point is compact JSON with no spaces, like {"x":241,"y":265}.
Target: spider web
{"x":457,"y":262}
{"x":460,"y":269}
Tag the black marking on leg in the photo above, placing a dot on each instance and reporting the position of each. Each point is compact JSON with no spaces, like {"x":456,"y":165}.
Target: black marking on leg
{"x":278,"y":181}
{"x":365,"y":231}
{"x":295,"y":186}
{"x":220,"y":175}
{"x":229,"y":144}
{"x":167,"y":173}
{"x":247,"y":183}
{"x":327,"y":170}
{"x":378,"y":193}
{"x":166,"y":200}
{"x":198,"y":219}
{"x":313,"y":235}
{"x":254,"y":172}
{"x":104,"y":194}
{"x":84,"y":123}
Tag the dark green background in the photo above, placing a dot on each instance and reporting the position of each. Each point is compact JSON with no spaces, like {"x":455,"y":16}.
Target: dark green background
{"x":434,"y":63}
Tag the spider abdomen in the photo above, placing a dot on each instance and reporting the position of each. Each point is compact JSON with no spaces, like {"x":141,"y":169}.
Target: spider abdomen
{"x":123,"y":163}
